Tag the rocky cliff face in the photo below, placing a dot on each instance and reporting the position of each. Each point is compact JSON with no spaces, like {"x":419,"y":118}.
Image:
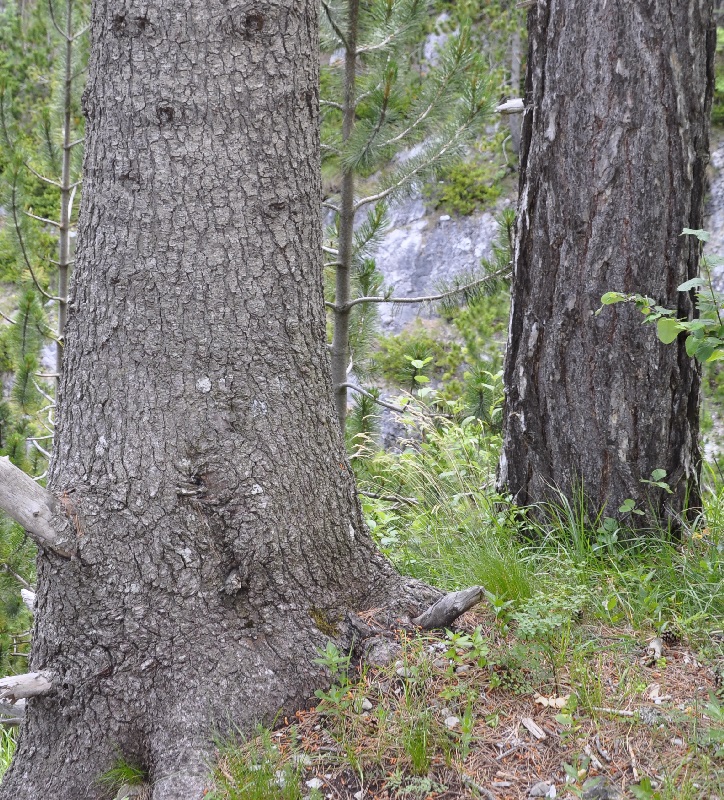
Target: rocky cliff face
{"x":715,"y":202}
{"x":424,"y":248}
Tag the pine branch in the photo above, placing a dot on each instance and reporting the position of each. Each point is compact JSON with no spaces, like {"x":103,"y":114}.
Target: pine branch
{"x":42,"y":219}
{"x":390,"y":406}
{"x":415,"y":171}
{"x":333,"y":24}
{"x":21,"y":242}
{"x":431,"y":298}
{"x":384,"y":404}
{"x":49,"y":181}
{"x":55,"y":23}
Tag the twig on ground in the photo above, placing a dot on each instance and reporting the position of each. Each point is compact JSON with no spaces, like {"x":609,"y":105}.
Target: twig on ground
{"x":633,"y":761}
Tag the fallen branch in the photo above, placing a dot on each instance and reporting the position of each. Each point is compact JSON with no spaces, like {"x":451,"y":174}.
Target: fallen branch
{"x":31,"y":684}
{"x":12,"y":709}
{"x":449,"y":608}
{"x":31,"y":506}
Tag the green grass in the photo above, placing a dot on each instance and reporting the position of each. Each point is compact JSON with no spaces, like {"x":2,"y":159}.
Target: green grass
{"x":122,"y":773}
{"x":454,"y":532}
{"x":255,"y":770}
{"x":8,"y":742}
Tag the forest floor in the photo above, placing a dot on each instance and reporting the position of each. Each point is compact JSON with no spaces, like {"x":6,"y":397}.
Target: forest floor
{"x":589,"y":712}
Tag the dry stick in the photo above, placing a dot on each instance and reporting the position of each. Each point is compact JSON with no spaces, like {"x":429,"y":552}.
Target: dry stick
{"x":514,"y":106}
{"x":510,"y":752}
{"x":633,"y":760}
{"x":12,"y":715}
{"x":601,"y":751}
{"x":19,"y":578}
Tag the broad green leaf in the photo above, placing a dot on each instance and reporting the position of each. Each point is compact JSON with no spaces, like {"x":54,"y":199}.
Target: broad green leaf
{"x":667,"y":330}
{"x":658,"y":474}
{"x":693,"y":283}
{"x":417,"y":363}
{"x":626,"y":506}
{"x":717,"y":355}
{"x":705,"y":351}
{"x":422,"y":379}
{"x":692,"y":345}
{"x":698,"y":324}
{"x":701,"y":235}
{"x":610,"y":298}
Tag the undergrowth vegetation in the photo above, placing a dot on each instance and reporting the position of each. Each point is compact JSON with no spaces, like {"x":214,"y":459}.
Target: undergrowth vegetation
{"x":555,"y":678}
{"x":594,"y":663}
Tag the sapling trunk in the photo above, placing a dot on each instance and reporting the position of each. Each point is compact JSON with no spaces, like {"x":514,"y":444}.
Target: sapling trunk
{"x":66,"y":191}
{"x":343,"y":276}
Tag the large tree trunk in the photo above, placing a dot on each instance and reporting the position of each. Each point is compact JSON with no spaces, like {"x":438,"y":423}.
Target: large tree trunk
{"x":615,"y":143}
{"x":198,"y":455}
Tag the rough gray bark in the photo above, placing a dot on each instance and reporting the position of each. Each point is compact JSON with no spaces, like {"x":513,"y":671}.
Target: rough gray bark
{"x":219,"y":540}
{"x":614,"y":150}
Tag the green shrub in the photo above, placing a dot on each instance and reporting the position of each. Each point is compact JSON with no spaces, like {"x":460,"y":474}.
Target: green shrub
{"x":466,"y":187}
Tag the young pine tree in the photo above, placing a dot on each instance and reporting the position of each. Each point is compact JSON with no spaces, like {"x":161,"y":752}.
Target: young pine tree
{"x":378,"y":100}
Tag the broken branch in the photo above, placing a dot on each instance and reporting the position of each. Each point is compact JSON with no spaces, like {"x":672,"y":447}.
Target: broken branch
{"x":31,"y":506}
{"x":449,"y":608}
{"x":31,"y":684}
